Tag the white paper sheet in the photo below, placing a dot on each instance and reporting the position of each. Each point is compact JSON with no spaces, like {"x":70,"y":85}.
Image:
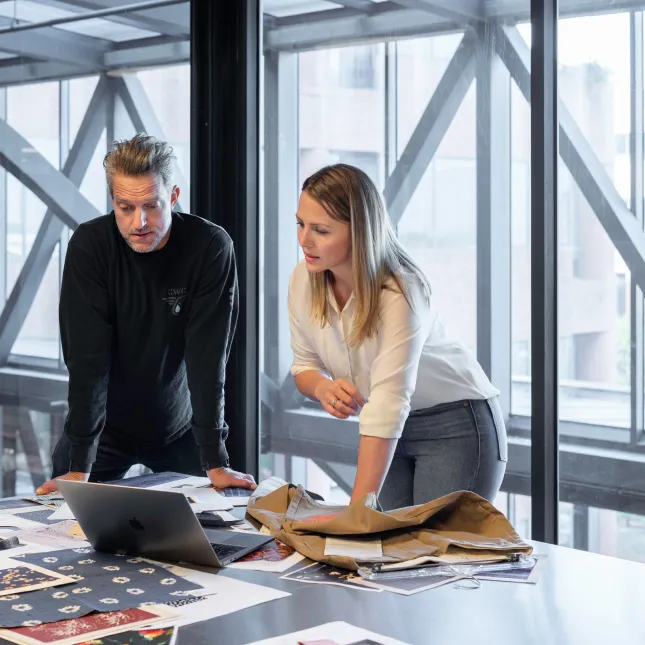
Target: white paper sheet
{"x":226,"y":595}
{"x":357,"y":549}
{"x":339,"y":632}
{"x":227,"y":517}
{"x":208,"y":499}
{"x":8,"y":520}
{"x":180,"y":484}
{"x":64,"y":512}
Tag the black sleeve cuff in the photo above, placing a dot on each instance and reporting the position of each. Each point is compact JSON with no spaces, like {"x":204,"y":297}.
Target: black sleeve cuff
{"x":81,"y":458}
{"x":212,"y":447}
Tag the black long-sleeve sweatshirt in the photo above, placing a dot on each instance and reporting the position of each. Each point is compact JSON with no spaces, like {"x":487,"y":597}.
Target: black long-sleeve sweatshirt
{"x":146,"y":337}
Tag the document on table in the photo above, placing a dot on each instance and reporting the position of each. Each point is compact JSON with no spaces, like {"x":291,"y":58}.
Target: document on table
{"x":336,"y":633}
{"x":358,"y":549}
{"x":206,"y":499}
{"x":221,"y":595}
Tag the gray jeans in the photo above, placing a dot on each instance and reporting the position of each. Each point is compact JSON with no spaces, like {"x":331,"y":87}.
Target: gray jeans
{"x":446,"y":448}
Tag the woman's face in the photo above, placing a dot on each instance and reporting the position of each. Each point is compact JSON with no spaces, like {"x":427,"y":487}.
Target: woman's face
{"x":325,"y":241}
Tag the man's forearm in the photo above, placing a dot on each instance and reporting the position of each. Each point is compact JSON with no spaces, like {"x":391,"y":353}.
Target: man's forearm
{"x":374,"y":459}
{"x":308,"y":381}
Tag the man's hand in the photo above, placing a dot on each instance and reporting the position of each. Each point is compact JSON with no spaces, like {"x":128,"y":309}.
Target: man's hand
{"x":228,"y":478}
{"x":51,"y":487}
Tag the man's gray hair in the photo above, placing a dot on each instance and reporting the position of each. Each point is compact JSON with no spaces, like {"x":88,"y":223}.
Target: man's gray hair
{"x":141,"y":155}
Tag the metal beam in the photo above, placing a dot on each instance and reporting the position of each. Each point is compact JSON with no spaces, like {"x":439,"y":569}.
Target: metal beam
{"x":54,"y":45}
{"x":3,"y":217}
{"x":364,"y":6}
{"x":342,"y":474}
{"x":22,"y":73}
{"x":281,"y":202}
{"x":143,"y":117}
{"x":581,"y":527}
{"x":591,"y":177}
{"x":23,"y":161}
{"x":172,"y":53}
{"x":344,"y":27}
{"x":29,"y":441}
{"x":493,"y":121}
{"x":466,"y":11}
{"x":24,"y":291}
{"x":596,"y":476}
{"x":87,"y":15}
{"x":637,"y":170}
{"x":172,"y":21}
{"x":545,"y":479}
{"x":518,"y":10}
{"x":431,"y":128}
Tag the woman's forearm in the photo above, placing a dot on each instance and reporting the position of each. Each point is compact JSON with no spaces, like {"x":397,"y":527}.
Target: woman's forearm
{"x":374,"y":459}
{"x":308,"y":381}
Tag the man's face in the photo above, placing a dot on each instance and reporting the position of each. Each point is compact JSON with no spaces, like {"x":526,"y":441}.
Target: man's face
{"x":143,"y":209}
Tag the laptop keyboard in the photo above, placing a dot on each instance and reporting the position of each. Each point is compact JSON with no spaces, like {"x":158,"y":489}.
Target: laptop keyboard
{"x":224,"y":551}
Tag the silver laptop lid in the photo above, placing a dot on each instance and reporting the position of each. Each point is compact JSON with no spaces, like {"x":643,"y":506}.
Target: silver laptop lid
{"x":154,"y":523}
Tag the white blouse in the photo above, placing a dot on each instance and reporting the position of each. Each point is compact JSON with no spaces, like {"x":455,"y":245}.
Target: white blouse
{"x":409,"y":364}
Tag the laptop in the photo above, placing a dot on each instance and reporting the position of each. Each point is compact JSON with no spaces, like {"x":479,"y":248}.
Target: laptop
{"x":156,"y":524}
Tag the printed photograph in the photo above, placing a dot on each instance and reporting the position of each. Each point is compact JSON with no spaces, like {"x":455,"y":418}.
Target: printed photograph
{"x":165,"y":636}
{"x":321,"y":573}
{"x":273,"y":551}
{"x":87,"y":628}
{"x":28,"y":577}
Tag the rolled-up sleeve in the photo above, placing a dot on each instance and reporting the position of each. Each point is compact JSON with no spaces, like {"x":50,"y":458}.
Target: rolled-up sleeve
{"x":402,"y":332}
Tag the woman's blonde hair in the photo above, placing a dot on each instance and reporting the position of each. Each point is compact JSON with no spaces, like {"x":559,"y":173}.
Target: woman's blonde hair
{"x":378,"y":259}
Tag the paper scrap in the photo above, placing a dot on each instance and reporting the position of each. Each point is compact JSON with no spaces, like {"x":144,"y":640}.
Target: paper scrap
{"x":339,"y":632}
{"x":357,"y":549}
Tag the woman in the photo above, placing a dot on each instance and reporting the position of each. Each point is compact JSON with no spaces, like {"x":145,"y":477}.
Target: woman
{"x":367,"y":342}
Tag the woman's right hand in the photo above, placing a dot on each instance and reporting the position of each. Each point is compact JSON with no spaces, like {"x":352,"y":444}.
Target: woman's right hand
{"x":340,"y":398}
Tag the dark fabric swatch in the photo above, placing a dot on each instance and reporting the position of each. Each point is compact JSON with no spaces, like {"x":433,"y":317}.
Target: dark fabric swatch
{"x":39,"y":516}
{"x":106,"y":582}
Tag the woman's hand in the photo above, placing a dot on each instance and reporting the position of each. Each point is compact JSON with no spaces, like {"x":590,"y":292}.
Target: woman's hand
{"x":340,"y":398}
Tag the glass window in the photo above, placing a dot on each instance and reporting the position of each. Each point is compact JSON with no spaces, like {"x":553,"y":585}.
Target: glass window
{"x":47,"y":113}
{"x":594,"y":303}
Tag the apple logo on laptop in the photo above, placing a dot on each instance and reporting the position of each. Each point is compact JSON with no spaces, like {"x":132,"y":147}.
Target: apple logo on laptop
{"x":135,"y":524}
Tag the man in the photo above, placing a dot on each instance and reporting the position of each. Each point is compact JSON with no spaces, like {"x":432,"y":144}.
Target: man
{"x":148,"y":309}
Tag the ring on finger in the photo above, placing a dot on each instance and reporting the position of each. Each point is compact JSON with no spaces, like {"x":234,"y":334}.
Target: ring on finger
{"x":333,"y":403}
